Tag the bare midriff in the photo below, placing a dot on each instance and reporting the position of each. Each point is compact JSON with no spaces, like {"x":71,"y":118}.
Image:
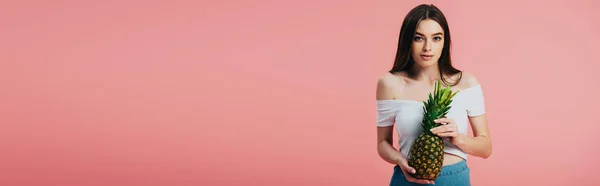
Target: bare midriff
{"x":450,"y":159}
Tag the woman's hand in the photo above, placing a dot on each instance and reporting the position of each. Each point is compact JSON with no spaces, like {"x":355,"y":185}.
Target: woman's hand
{"x":407,"y":170}
{"x":447,"y":129}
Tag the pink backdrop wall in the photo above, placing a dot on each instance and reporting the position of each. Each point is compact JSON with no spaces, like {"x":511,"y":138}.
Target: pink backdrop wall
{"x":277,"y":92}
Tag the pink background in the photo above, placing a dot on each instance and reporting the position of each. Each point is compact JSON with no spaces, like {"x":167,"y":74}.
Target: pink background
{"x":278,"y":92}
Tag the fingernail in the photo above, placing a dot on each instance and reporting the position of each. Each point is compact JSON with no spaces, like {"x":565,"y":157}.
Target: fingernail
{"x":414,"y":171}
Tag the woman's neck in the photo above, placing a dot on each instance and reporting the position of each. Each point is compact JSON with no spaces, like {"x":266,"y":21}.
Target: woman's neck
{"x":426,"y":74}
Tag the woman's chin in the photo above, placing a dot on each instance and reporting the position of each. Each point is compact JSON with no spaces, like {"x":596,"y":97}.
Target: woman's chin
{"x":425,"y":64}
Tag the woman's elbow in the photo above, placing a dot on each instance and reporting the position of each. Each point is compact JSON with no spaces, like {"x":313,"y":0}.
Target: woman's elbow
{"x":487,"y":153}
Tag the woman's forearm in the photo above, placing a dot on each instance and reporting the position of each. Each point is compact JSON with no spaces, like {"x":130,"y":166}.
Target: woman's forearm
{"x":480,"y":146}
{"x":389,"y":153}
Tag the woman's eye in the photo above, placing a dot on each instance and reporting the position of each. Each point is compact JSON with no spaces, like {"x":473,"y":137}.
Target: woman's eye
{"x":418,"y":38}
{"x":437,"y":38}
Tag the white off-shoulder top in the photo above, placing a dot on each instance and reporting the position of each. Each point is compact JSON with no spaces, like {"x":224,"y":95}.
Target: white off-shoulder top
{"x":407,"y":115}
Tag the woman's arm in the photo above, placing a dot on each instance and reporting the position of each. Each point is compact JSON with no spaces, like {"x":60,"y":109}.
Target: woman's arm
{"x":384,"y":146}
{"x":385,"y":133}
{"x":480,"y":144}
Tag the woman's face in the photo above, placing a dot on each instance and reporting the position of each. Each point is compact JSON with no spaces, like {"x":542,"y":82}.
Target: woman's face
{"x":428,"y":43}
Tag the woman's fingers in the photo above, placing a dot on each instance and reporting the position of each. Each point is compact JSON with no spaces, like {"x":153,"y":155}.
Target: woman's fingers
{"x":447,"y":134}
{"x":447,"y":125}
{"x":415,"y":180}
{"x":444,"y":128}
{"x":420,"y":181}
{"x":409,"y":170}
{"x":444,"y":120}
{"x":448,"y":130}
{"x":404,"y":166}
{"x":412,"y":179}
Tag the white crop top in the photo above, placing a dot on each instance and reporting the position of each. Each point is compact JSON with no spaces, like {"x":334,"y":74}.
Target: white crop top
{"x":407,"y":115}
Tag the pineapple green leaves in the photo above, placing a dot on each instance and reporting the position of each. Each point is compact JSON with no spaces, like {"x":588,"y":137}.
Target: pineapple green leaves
{"x":437,"y":106}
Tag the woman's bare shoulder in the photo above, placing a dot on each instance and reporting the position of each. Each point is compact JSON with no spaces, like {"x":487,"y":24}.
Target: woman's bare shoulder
{"x":467,"y":80}
{"x":389,"y":85}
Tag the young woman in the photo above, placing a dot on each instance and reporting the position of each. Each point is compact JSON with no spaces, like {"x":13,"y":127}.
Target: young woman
{"x":423,"y":57}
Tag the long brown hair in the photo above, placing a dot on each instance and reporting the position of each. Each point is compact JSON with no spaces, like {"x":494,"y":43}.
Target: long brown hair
{"x":404,"y":60}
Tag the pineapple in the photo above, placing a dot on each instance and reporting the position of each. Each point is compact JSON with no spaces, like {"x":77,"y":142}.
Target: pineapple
{"x":427,"y":152}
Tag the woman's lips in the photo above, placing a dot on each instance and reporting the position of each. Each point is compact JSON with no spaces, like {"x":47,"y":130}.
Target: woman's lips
{"x":426,"y":57}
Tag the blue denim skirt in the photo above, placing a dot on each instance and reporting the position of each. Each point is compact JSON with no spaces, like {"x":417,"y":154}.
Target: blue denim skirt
{"x":457,"y":174}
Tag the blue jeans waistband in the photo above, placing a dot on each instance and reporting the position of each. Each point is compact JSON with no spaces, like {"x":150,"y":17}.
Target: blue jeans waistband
{"x":454,"y":169}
